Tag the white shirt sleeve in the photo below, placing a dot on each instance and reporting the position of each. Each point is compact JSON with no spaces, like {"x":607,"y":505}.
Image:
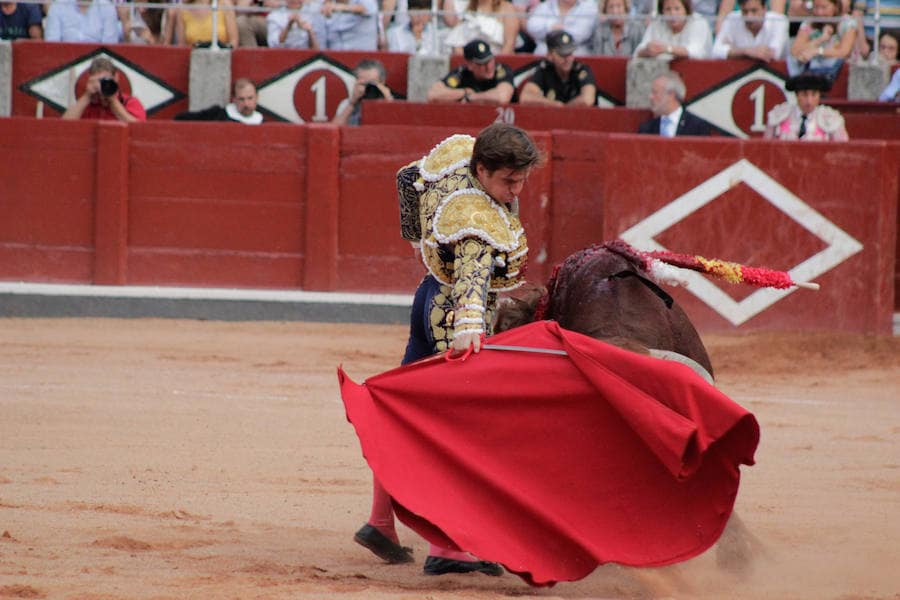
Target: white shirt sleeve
{"x":651,"y":33}
{"x":274,"y":26}
{"x":110,"y":30}
{"x":777,"y":27}
{"x":538,"y":24}
{"x":582,"y":21}
{"x":696,"y":37}
{"x":53,"y":30}
{"x":726,"y":38}
{"x":890,"y":92}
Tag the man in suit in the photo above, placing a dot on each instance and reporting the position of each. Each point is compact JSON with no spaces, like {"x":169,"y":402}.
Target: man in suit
{"x":670,"y":118}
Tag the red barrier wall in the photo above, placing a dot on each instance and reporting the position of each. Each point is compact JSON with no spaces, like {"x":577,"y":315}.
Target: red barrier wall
{"x":218,"y":204}
{"x":533,"y":118}
{"x":751,"y":220}
{"x":47,"y":200}
{"x":314,"y":207}
{"x":877,"y":126}
{"x":863,"y":106}
{"x":881,"y":125}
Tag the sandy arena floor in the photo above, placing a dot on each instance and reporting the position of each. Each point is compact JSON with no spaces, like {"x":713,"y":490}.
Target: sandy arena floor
{"x":153,"y":459}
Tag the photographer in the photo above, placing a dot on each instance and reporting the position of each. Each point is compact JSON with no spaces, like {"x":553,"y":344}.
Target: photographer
{"x":370,"y":78}
{"x":102,"y":98}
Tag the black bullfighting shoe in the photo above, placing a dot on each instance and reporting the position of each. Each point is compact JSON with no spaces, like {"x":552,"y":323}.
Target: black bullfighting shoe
{"x":381,"y":546}
{"x":435,"y":565}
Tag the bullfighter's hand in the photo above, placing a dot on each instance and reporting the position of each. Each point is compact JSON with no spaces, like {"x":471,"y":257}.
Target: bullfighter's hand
{"x":462,"y":341}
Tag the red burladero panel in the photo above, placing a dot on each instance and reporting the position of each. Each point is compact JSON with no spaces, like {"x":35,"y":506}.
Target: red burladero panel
{"x":770,"y":228}
{"x":218,"y":203}
{"x":46,"y":200}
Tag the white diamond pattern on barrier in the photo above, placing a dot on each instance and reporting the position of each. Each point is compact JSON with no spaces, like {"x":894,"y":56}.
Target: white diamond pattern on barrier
{"x":839,"y":244}
{"x":58,"y":88}
{"x":716,"y":106}
{"x":277,"y":96}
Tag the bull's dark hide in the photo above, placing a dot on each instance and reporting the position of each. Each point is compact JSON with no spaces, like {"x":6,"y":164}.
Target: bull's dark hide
{"x":604,"y":294}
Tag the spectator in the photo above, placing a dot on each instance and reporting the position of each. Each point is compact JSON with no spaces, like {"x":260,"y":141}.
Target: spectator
{"x":560,"y":79}
{"x":19,"y":21}
{"x":822,"y":46}
{"x":416,"y":34}
{"x":492,"y":21}
{"x":251,"y":21}
{"x":142,"y":25}
{"x":671,"y":119}
{"x":95,"y":21}
{"x":242,"y":108}
{"x":677,"y":34}
{"x":754,"y":33}
{"x":452,"y":11}
{"x":297,"y":24}
{"x":525,"y":44}
{"x":888,"y":11}
{"x":102,"y":98}
{"x":126,"y":15}
{"x":726,"y":7}
{"x":616,"y":34}
{"x":482,"y":79}
{"x":797,"y":11}
{"x":370,"y":85}
{"x":892,"y":92}
{"x":645,"y":9}
{"x":351,"y":24}
{"x":888,"y":47}
{"x":168,"y":24}
{"x":861,"y":46}
{"x":394,"y":13}
{"x":578,"y":17}
{"x":708,"y":9}
{"x":807,"y":120}
{"x":193,"y":24}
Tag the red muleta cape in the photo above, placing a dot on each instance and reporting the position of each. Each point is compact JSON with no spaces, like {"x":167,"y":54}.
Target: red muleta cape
{"x":552,"y":465}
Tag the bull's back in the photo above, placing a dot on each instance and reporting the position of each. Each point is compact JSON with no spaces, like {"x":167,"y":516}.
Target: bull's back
{"x":627,"y":312}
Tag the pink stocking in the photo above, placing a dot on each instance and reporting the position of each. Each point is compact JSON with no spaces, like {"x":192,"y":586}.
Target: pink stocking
{"x":382,"y":517}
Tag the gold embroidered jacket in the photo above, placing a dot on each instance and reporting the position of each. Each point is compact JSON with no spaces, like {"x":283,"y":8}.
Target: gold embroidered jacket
{"x":473,"y":245}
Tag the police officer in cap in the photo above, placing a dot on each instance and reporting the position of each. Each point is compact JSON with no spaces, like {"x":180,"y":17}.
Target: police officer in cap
{"x":808,"y":119}
{"x":481,"y":79}
{"x":560,"y":79}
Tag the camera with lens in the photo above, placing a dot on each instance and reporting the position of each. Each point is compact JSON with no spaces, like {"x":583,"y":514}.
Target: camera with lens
{"x":108,"y":86}
{"x":372,"y":92}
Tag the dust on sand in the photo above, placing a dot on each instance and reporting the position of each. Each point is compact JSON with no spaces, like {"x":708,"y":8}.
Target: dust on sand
{"x":163,"y":459}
